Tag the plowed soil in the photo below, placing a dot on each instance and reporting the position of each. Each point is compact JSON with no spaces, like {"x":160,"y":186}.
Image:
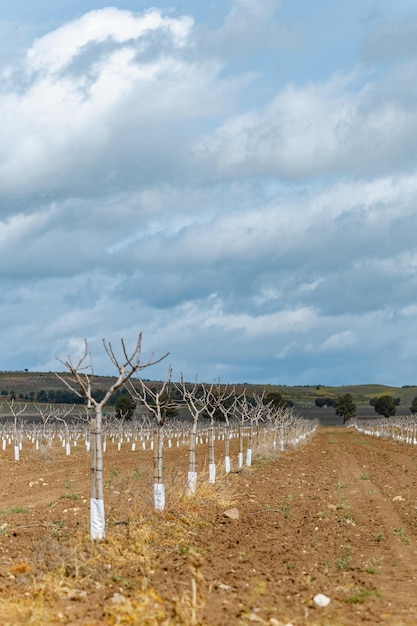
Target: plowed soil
{"x":336,"y":516}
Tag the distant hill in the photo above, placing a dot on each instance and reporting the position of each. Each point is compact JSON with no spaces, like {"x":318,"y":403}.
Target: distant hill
{"x":26,"y":385}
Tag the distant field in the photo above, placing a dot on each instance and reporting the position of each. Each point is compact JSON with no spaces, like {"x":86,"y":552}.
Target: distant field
{"x":25,"y":383}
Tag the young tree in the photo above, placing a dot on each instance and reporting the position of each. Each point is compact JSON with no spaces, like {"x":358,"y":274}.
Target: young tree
{"x":413,"y":407}
{"x":16,"y":410}
{"x":226,"y":407}
{"x":384,"y":405}
{"x":345,"y":406}
{"x":61,"y":415}
{"x":241,"y":412}
{"x":258,"y":412}
{"x":81,"y":383}
{"x":196,"y":406}
{"x":218,"y":404}
{"x":159,"y":405}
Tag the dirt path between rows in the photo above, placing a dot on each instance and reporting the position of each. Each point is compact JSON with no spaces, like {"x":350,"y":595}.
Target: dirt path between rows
{"x":335,"y":516}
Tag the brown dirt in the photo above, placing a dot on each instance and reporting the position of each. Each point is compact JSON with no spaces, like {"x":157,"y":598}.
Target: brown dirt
{"x":337,"y":516}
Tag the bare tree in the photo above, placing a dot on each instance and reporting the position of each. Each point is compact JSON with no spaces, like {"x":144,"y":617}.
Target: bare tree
{"x":81,"y":383}
{"x":241,"y":411}
{"x":16,"y":410}
{"x":257,"y":413}
{"x":196,"y":407}
{"x":46,"y":413}
{"x":61,"y":416}
{"x":226,"y":403}
{"x":159,"y":404}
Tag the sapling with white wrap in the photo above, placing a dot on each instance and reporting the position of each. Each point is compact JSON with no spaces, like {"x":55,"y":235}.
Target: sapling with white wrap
{"x":81,"y":382}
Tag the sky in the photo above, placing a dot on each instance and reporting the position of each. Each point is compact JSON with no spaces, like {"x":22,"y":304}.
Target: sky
{"x":234,"y":179}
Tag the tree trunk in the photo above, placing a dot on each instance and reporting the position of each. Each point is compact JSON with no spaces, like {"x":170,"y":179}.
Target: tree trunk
{"x":227,"y":449}
{"x":212,"y":465}
{"x":240,"y":459}
{"x":159,"y":487}
{"x":192,"y":474}
{"x":97,"y":518}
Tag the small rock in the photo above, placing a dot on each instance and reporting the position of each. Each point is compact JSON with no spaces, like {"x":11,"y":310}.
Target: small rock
{"x":332,"y":507}
{"x":118,"y":598}
{"x":232,"y":513}
{"x":398,"y":499}
{"x":225,"y":587}
{"x":321,"y":600}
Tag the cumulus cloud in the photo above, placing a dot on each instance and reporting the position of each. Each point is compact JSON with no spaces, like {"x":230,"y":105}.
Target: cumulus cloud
{"x":323,"y":129}
{"x":151,"y":180}
{"x":116,"y":121}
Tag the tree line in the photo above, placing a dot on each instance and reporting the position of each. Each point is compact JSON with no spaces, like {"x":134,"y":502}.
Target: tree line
{"x":345,"y":405}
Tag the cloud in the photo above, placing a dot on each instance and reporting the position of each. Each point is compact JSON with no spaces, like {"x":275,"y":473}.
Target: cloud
{"x":340,"y":341}
{"x":156,"y":174}
{"x":318,"y":130}
{"x":57,"y":50}
{"x":248,"y":29}
{"x":121,"y":119}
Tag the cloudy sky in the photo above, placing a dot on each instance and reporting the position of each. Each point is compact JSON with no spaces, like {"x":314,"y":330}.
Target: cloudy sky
{"x":236,"y":179}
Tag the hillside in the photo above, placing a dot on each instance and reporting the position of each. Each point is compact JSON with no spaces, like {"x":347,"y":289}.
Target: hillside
{"x":26,"y":385}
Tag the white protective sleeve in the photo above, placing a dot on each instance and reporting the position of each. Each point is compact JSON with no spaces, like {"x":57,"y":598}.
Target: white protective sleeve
{"x":97,"y":523}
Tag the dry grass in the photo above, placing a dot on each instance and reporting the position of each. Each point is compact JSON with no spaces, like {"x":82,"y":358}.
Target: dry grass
{"x":109,"y":582}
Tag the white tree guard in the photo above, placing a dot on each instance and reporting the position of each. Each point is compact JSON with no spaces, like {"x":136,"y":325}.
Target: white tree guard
{"x":97,"y":523}
{"x":240,"y":460}
{"x":227,"y":464}
{"x":212,"y":473}
{"x":67,"y":449}
{"x":249,"y":457}
{"x":16,"y":453}
{"x":191,"y":482}
{"x":159,"y":496}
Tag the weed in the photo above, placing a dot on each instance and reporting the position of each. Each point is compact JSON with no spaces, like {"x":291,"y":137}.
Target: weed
{"x":358,"y":596}
{"x":285,"y":510}
{"x":349,"y":519}
{"x":123,"y":581}
{"x":342,"y":485}
{"x":59,"y":522}
{"x":137,"y":474}
{"x":372,"y":566}
{"x":11,"y":510}
{"x":364,"y":477}
{"x":342,"y":506}
{"x":401,"y":534}
{"x":343,"y":562}
{"x":113,"y":474}
{"x":69,"y":496}
{"x":379,"y":537}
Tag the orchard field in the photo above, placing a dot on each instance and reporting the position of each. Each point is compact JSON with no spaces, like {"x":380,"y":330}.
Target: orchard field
{"x":335,"y":515}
